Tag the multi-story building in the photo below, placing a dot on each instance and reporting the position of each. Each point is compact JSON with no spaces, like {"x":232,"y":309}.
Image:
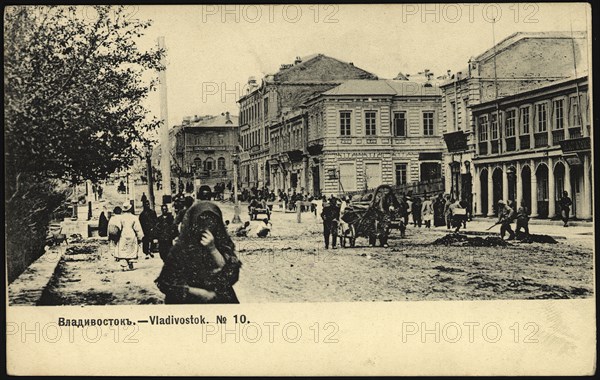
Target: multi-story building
{"x":364,"y":133}
{"x":532,"y":146}
{"x":519,"y":63}
{"x":203,"y":148}
{"x":268,"y":105}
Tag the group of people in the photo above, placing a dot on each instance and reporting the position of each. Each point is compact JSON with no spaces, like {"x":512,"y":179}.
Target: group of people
{"x":200,"y":263}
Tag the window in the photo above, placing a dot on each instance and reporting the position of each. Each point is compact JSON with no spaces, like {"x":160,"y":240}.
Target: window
{"x":559,"y":122}
{"x":400,"y":174}
{"x":209,"y":164}
{"x":575,"y":115}
{"x":266,"y":107}
{"x":452,"y":116}
{"x":400,"y":124}
{"x":431,"y":171}
{"x":542,"y":117}
{"x":510,"y":123}
{"x":345,"y":123}
{"x":370,"y":117}
{"x":483,"y":127}
{"x":494,"y":126}
{"x":428,"y":123}
{"x":221,"y":163}
{"x":525,"y":121}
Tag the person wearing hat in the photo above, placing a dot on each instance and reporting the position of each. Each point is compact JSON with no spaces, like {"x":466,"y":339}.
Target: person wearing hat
{"x":129,"y":237}
{"x":506,"y":215}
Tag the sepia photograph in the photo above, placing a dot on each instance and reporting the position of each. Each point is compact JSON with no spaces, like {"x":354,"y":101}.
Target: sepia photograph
{"x":294,"y":158}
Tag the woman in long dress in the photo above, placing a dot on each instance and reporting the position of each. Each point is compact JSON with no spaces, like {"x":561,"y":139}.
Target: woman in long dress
{"x":127,"y":234}
{"x":202,"y":266}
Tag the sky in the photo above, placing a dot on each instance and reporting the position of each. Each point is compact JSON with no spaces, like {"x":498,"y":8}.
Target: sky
{"x":213,"y":50}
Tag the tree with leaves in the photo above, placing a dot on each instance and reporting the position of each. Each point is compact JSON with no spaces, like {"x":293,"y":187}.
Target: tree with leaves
{"x":75,"y":80}
{"x":74,"y":88}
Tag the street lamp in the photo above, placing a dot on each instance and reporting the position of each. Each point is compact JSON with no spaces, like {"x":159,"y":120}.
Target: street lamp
{"x":236,"y":206}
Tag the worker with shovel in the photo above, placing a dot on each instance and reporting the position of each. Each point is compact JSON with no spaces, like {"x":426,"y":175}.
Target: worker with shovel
{"x":506,"y":215}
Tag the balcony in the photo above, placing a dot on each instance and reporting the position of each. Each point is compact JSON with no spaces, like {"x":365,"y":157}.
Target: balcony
{"x":511,"y":144}
{"x":524,"y":142}
{"x":483,"y":148}
{"x":575,"y":133}
{"x":540,"y":139}
{"x":495,"y":147}
{"x":558,"y":136}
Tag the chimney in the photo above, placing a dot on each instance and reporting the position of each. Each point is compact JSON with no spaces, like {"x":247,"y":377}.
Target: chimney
{"x":298,"y":60}
{"x":351,"y":63}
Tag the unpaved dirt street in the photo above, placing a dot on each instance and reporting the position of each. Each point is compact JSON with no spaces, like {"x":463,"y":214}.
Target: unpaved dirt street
{"x":293,"y":266}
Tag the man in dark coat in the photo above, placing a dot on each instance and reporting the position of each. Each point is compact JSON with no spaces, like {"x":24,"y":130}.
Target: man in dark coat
{"x":148,"y":220}
{"x":330,"y":216}
{"x":565,"y":208}
{"x":165,"y":231}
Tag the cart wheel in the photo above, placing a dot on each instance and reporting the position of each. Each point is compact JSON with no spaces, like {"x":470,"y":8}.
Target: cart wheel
{"x":352,"y":242}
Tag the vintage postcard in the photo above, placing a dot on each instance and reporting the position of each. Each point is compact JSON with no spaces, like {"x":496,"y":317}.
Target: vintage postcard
{"x":296,"y":189}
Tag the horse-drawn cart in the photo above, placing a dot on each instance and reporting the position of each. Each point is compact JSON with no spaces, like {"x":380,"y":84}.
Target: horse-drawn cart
{"x":362,"y":219}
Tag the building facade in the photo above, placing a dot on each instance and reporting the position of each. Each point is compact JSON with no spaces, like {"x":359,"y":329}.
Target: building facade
{"x":269,"y":106}
{"x":519,"y":63}
{"x":362,"y":134}
{"x":532,"y":146}
{"x":203,"y":148}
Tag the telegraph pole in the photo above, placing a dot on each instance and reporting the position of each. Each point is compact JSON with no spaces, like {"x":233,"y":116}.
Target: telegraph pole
{"x":236,"y":205}
{"x":165,"y":159}
{"x":150,"y":175}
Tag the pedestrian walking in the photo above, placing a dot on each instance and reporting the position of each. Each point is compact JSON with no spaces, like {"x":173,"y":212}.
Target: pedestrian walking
{"x":457,"y":215}
{"x":165,"y":231}
{"x":506,"y":215}
{"x":522,"y":220}
{"x":565,"y":208}
{"x":128,"y":235}
{"x":144,"y":198}
{"x":448,"y":201}
{"x":438,"y":211}
{"x":202,"y":266}
{"x":427,"y":211}
{"x":103,"y":223}
{"x":100,"y":190}
{"x":330,"y":216}
{"x":148,"y":220}
{"x":417,"y":206}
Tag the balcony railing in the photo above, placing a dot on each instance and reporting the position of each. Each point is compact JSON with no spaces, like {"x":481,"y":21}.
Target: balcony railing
{"x":557,"y":136}
{"x":524,"y":142}
{"x":575,"y":133}
{"x":511,"y":144}
{"x":483,"y":148}
{"x":495,"y":146}
{"x":541,"y":139}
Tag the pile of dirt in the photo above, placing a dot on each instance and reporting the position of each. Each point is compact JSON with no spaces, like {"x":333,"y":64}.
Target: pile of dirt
{"x":465,"y":241}
{"x":81,"y":249}
{"x":533,"y":238}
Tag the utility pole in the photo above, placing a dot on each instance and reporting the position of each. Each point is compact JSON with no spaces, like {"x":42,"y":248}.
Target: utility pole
{"x":165,"y":161}
{"x":150,"y":176}
{"x":236,"y":205}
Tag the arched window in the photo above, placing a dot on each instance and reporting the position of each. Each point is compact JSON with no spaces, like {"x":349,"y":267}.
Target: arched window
{"x":221,"y":163}
{"x":197,"y":163}
{"x":209,"y":164}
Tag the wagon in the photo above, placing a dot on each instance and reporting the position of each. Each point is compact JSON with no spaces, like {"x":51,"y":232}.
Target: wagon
{"x":358,"y":218}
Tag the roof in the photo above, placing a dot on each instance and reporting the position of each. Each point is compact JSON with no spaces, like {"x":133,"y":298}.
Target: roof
{"x":516,"y":37}
{"x":216,"y":121}
{"x":385,"y":87}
